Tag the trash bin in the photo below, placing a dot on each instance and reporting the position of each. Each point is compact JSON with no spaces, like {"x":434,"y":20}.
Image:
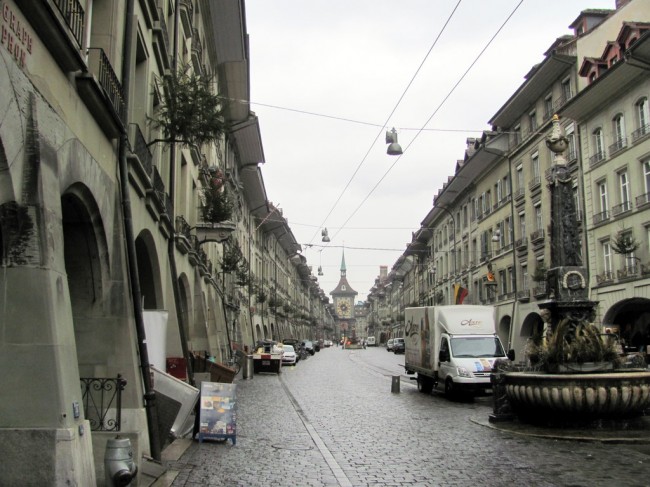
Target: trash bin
{"x":248,"y":367}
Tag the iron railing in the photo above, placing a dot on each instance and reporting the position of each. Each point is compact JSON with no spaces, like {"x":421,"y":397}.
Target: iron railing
{"x":621,"y":208}
{"x":618,"y":145}
{"x":101,"y":67}
{"x":73,"y":13}
{"x":141,"y":149}
{"x":642,"y":199}
{"x":640,"y":132}
{"x":102,"y":402}
{"x":596,"y":158}
{"x":601,"y":217}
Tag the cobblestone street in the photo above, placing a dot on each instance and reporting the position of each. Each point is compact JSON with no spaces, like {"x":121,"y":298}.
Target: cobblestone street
{"x":333,"y":420}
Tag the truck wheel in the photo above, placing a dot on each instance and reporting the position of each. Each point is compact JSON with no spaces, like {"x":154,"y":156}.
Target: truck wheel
{"x":425,"y":385}
{"x":450,"y":390}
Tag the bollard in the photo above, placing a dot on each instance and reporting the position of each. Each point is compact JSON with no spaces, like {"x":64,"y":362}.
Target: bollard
{"x":119,"y":467}
{"x":394,"y":387}
{"x":249,"y":365}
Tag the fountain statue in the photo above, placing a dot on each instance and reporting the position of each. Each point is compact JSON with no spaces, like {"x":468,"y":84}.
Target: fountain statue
{"x":575,"y":372}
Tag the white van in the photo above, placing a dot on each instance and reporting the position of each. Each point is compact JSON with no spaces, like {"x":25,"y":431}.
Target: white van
{"x":371,"y":342}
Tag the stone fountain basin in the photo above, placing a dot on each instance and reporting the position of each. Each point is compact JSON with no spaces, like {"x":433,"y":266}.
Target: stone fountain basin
{"x":608,"y":394}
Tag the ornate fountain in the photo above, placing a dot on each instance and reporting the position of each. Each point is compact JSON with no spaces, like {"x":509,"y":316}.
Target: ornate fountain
{"x":578,"y":374}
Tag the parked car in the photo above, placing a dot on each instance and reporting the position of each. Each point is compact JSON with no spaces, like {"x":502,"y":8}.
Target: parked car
{"x":389,"y":344}
{"x":296,"y":344}
{"x":398,"y":345}
{"x":289,"y":355}
{"x":309,"y":346}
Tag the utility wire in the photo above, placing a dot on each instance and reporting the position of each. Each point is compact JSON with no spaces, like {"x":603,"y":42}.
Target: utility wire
{"x":432,"y":115}
{"x":338,"y":199}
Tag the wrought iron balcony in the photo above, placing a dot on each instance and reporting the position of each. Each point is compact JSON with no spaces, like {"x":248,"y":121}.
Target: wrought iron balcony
{"x":535,"y":183}
{"x":101,"y":91}
{"x":73,"y":13}
{"x":640,"y":133}
{"x":537,"y":235}
{"x":540,"y":291}
{"x":523,"y":295}
{"x":606,"y":276}
{"x":596,"y":158}
{"x":627,"y":272}
{"x":621,"y":208}
{"x":642,"y":200}
{"x":140,"y":149}
{"x":102,"y":68}
{"x":521,"y":243}
{"x":601,"y":217}
{"x":618,"y":145}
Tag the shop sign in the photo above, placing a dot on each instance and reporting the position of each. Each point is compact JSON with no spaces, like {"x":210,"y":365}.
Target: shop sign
{"x":14,"y":36}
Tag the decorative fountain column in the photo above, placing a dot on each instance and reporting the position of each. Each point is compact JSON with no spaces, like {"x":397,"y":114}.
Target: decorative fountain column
{"x":579,"y":372}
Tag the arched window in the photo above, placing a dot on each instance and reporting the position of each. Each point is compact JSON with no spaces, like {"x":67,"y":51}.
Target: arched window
{"x":618,"y":127}
{"x":642,"y":117}
{"x":599,"y":147}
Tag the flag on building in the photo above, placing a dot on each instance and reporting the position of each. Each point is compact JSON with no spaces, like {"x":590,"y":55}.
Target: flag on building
{"x":460,"y":293}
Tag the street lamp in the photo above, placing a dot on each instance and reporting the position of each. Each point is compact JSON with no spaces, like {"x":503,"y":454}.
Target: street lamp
{"x":394,"y":149}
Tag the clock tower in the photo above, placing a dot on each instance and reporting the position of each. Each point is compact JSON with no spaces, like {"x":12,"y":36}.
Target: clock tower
{"x":343,"y":297}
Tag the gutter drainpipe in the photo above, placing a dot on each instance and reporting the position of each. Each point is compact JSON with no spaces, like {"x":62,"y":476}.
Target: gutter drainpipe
{"x":179,"y":304}
{"x":136,"y":295}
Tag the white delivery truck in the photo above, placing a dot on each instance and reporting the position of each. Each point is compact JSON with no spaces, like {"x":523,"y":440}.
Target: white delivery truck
{"x":452,"y":348}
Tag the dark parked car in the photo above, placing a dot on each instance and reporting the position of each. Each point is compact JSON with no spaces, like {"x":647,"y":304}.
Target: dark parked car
{"x":309,"y":346}
{"x":398,"y":345}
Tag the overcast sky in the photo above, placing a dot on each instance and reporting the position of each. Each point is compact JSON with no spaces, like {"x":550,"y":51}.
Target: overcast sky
{"x":325,"y":78}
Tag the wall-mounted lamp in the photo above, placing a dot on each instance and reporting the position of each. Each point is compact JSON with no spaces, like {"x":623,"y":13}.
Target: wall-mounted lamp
{"x":324,"y":234}
{"x":394,"y":149}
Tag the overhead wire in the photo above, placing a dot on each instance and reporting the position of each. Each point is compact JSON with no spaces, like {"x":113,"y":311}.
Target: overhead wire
{"x":347,"y":185}
{"x":453,"y":88}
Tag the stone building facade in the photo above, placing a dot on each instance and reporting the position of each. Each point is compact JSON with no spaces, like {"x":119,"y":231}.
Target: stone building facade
{"x":488,"y":228}
{"x":102,"y":225}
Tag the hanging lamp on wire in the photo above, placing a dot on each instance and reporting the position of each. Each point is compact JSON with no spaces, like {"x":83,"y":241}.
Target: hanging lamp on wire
{"x":394,"y":149}
{"x":324,"y":234}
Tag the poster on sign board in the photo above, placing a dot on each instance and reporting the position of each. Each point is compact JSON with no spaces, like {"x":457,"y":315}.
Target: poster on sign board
{"x":217,"y":412}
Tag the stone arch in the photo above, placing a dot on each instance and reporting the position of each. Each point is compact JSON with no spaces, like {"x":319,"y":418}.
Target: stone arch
{"x":530,"y":327}
{"x":266,"y":332}
{"x":632,"y":317}
{"x":149,"y":271}
{"x":87,"y":267}
{"x":258,"y":333}
{"x":504,"y":330}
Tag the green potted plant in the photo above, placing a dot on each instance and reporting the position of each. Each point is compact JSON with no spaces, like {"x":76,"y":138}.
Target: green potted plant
{"x":218,"y":206}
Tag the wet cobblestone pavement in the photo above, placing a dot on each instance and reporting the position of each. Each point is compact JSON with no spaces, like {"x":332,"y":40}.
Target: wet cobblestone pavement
{"x":333,"y":421}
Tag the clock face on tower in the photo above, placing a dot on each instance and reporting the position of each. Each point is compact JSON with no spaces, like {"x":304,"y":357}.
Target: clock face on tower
{"x":344,"y":306}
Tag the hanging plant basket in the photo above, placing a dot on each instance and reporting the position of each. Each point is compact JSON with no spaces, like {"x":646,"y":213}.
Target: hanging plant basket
{"x":218,"y":206}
